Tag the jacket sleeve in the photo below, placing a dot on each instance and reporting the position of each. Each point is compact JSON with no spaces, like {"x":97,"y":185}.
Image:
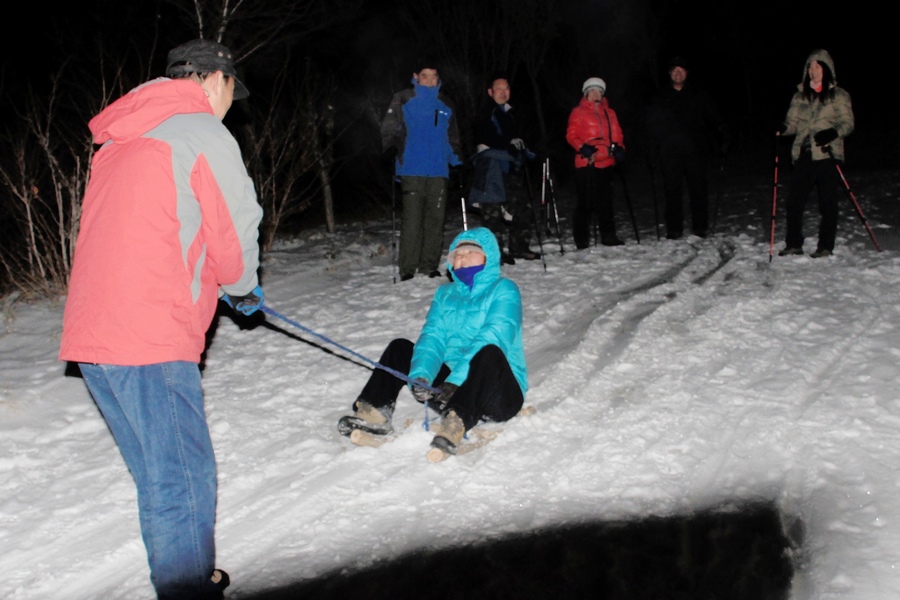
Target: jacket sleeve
{"x":453,"y":137}
{"x":794,"y":120}
{"x":231,"y":215}
{"x":575,"y":130}
{"x":503,"y":321}
{"x":844,"y":121}
{"x":431,"y":345}
{"x":615,"y":133}
{"x":393,"y":127}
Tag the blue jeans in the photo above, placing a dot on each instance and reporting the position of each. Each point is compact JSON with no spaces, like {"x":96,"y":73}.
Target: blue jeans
{"x":155,"y":413}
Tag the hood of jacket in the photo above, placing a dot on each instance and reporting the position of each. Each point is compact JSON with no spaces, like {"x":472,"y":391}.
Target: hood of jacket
{"x":485,"y":238}
{"x":823,"y":58}
{"x":145,"y":107}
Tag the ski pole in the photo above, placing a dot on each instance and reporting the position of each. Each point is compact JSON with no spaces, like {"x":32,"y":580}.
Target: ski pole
{"x":774,"y":201}
{"x":537,"y":229}
{"x":637,"y":236}
{"x":653,"y":194}
{"x":859,"y":211}
{"x":562,"y":249}
{"x":545,"y":208}
{"x":395,"y":268}
{"x":377,"y":365}
{"x":718,"y":197}
{"x":462,"y":202}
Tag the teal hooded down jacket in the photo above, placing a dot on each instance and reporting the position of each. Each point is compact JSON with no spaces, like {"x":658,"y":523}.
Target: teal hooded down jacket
{"x":462,"y":321}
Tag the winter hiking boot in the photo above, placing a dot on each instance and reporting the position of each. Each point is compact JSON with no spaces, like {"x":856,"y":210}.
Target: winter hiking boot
{"x":376,"y":421}
{"x":220,"y":580}
{"x":821,"y":253}
{"x":447,"y":438}
{"x":791,"y":252}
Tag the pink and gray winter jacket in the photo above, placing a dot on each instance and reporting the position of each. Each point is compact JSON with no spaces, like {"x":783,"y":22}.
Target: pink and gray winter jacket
{"x":169,"y":217}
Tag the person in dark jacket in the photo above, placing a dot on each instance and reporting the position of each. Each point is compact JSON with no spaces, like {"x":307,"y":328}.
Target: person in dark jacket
{"x":819,"y":117}
{"x":470,"y":349}
{"x":684,"y":125}
{"x":420,"y":130}
{"x":500,"y":147}
{"x":594,"y":132}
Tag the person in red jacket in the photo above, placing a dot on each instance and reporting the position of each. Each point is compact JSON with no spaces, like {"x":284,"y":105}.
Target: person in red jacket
{"x":594,"y":132}
{"x":169,"y":224}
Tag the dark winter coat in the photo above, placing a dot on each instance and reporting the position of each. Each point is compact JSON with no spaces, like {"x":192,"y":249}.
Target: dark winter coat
{"x":496,"y":128}
{"x":805,"y":118}
{"x":494,"y":131}
{"x":421,"y":124}
{"x":684,"y":122}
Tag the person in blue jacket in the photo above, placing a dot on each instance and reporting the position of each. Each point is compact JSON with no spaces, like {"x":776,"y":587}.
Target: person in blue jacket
{"x":470,"y":348}
{"x":420,"y":131}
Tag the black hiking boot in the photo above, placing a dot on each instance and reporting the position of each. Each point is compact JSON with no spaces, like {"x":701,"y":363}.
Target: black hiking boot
{"x":220,"y":580}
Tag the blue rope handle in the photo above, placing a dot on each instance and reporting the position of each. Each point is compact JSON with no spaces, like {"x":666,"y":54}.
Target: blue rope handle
{"x":378,"y":365}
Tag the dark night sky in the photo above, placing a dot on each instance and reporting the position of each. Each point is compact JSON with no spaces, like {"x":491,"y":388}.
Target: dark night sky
{"x":774,"y":37}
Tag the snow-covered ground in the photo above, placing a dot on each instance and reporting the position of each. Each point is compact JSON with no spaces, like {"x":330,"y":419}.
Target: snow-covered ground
{"x":668,"y":377}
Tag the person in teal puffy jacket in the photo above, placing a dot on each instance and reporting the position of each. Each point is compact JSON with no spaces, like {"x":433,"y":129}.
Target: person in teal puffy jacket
{"x":470,"y":349}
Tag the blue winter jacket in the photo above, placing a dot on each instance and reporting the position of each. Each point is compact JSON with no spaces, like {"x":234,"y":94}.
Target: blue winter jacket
{"x":461,"y":321}
{"x":421,"y":124}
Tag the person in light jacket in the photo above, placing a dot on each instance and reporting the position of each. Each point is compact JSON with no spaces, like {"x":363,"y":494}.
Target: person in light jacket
{"x":169,"y":224}
{"x":819,"y":117}
{"x":470,"y":349}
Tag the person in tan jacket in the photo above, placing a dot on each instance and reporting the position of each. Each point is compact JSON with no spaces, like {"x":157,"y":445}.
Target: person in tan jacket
{"x":820,"y":116}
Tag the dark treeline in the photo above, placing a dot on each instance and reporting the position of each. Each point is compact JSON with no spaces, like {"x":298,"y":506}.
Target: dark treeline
{"x":321,"y":73}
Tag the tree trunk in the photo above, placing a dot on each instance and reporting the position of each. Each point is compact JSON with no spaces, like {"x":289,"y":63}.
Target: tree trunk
{"x":327,"y":197}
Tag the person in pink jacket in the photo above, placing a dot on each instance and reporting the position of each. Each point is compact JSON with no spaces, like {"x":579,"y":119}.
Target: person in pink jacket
{"x":169,"y":224}
{"x":594,"y":133}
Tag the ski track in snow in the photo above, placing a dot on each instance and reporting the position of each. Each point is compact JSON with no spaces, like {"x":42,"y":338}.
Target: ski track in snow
{"x":629,"y":422}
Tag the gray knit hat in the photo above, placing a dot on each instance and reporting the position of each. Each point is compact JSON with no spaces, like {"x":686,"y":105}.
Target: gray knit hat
{"x":204,"y":56}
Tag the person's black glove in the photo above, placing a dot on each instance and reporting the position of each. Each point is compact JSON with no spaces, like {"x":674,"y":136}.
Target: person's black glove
{"x":826,"y":136}
{"x":517,"y":144}
{"x":246,"y":304}
{"x":587,"y":151}
{"x":618,"y":153}
{"x":440,"y":401}
{"x":420,"y":393}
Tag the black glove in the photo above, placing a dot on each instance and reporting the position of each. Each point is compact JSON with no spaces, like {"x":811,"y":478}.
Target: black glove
{"x":246,"y":304}
{"x":826,"y":136}
{"x":441,"y":400}
{"x":517,"y":144}
{"x":587,"y":151}
{"x":618,"y":153}
{"x":422,"y":394}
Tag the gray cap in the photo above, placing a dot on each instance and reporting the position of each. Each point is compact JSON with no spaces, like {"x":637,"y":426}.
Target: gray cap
{"x":204,"y":56}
